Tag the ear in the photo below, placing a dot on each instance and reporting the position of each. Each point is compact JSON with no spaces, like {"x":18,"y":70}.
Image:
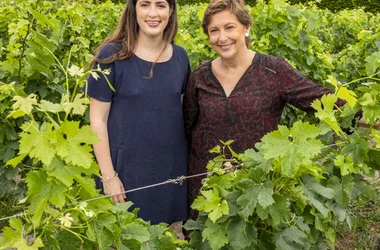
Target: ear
{"x":247,"y":28}
{"x":171,"y":11}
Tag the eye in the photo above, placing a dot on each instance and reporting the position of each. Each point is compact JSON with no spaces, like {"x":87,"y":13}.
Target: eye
{"x":161,"y":5}
{"x":230,"y":27}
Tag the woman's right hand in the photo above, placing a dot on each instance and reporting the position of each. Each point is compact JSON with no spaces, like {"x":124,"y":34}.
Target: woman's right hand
{"x":114,"y":186}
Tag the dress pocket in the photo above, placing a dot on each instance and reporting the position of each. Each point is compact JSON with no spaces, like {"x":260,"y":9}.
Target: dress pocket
{"x":117,"y":159}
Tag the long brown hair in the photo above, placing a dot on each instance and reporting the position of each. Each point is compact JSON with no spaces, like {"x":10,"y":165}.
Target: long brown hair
{"x":237,"y":7}
{"x":127,"y":30}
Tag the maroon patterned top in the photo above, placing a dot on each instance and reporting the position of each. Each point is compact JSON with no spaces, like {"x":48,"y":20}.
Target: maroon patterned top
{"x":252,"y":110}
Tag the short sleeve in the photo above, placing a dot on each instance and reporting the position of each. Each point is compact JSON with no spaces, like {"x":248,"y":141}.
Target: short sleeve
{"x":99,"y":88}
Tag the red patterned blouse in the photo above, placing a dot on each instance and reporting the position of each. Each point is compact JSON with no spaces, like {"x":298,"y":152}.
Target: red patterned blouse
{"x":252,"y":109}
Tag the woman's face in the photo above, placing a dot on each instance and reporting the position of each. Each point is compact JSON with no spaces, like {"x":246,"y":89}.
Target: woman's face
{"x":152,"y":16}
{"x":226,"y":34}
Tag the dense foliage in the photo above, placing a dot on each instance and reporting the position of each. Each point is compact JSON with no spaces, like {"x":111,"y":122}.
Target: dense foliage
{"x":288,"y":195}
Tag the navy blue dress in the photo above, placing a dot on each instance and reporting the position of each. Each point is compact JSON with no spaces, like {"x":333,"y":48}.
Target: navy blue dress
{"x":146,"y":131}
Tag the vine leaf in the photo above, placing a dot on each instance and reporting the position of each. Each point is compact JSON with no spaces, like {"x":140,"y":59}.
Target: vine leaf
{"x":371,"y":109}
{"x":78,"y":106}
{"x":248,"y":201}
{"x":40,"y":186}
{"x":343,"y":92}
{"x":373,"y":63}
{"x":215,"y":235}
{"x":24,"y":104}
{"x":241,"y":234}
{"x":292,"y":239}
{"x":265,"y":195}
{"x":289,"y":145}
{"x":210,"y":202}
{"x":357,"y":149}
{"x":37,"y":144}
{"x":345,"y":163}
{"x":135,"y":231}
{"x":326,"y":114}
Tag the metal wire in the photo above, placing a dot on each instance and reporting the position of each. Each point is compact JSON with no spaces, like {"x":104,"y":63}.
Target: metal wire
{"x":179,"y":180}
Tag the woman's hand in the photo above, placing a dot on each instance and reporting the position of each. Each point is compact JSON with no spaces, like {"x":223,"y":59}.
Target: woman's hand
{"x":114,"y":186}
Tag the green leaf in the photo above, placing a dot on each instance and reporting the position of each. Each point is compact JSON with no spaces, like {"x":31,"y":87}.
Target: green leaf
{"x":370,"y":107}
{"x":193,"y":225}
{"x":215,"y":235}
{"x":40,"y":187}
{"x":37,"y":144}
{"x":326,"y":113}
{"x":373,"y":63}
{"x":290,"y":146}
{"x":342,"y":92}
{"x":196,"y":241}
{"x":292,"y":239}
{"x":210,"y":202}
{"x":135,"y":231}
{"x":312,"y":189}
{"x":64,"y":173}
{"x":331,"y":235}
{"x":265,"y":195}
{"x":25,"y":104}
{"x":248,"y":201}
{"x":17,"y":160}
{"x":50,"y":107}
{"x":241,"y":234}
{"x":357,"y":149}
{"x":217,"y":212}
{"x":345,"y":163}
{"x":341,"y":196}
{"x":216,"y":150}
{"x":38,"y":211}
{"x":279,"y":211}
{"x":79,"y":155}
{"x":78,"y":106}
{"x":23,"y":244}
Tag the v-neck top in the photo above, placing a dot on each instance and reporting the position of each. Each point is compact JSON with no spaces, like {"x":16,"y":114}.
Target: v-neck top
{"x":253,"y":108}
{"x":221,"y":86}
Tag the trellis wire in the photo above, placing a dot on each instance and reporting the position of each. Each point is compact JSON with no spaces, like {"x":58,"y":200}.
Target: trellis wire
{"x":178,"y":180}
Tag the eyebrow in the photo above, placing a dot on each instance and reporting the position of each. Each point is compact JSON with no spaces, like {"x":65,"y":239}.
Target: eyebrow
{"x":159,"y":2}
{"x":223,"y":25}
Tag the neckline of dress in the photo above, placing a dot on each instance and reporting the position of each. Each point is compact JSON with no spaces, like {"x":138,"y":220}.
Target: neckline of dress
{"x":172,"y":56}
{"x":255,"y":58}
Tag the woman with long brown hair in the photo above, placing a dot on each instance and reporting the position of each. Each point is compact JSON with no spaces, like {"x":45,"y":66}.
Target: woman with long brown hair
{"x":139,"y":120}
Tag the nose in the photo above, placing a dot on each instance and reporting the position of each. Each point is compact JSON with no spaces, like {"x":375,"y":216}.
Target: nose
{"x":223,"y":36}
{"x":152,"y":11}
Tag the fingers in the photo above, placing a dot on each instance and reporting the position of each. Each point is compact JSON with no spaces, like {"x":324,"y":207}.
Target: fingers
{"x":123,"y":190}
{"x":115,"y":188}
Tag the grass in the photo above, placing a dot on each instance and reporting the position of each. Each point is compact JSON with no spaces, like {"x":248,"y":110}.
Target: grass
{"x":367,"y":233}
{"x":8,"y":206}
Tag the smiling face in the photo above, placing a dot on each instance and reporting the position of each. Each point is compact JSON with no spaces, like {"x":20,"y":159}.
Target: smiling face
{"x":226,"y":35}
{"x":152,"y":16}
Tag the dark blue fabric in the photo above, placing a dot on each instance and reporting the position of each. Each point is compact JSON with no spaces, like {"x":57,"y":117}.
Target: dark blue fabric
{"x":146,"y":131}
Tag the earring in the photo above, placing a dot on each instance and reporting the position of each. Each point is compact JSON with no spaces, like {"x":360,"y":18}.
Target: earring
{"x":246,"y":34}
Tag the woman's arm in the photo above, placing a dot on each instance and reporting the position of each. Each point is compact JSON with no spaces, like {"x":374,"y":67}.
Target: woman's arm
{"x":99,"y":112}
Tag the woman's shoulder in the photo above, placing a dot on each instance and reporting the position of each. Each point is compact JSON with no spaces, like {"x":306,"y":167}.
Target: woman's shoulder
{"x":179,"y":49}
{"x":180,"y":52}
{"x":202,"y":69}
{"x":109,"y":50}
{"x":271,"y":62}
{"x":267,"y":60}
